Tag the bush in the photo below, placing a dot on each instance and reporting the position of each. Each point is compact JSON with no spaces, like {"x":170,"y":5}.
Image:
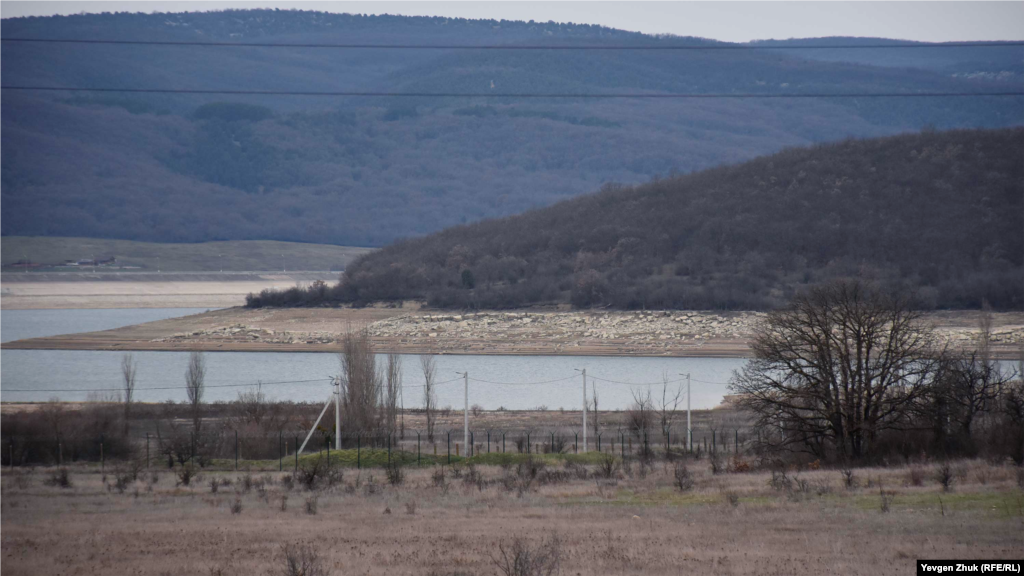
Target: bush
{"x":185,"y":475}
{"x":394,"y":474}
{"x":60,"y":478}
{"x":915,"y":476}
{"x":608,"y":466}
{"x":683,"y":478}
{"x":944,"y":475}
{"x":520,"y":559}
{"x":311,"y":504}
{"x":303,"y":560}
{"x":236,"y":506}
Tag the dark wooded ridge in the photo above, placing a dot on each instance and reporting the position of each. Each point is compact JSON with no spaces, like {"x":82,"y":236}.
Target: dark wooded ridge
{"x":939,"y":212}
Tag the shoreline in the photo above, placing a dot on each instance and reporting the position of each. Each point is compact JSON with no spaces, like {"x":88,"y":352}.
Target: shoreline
{"x":679,"y":334}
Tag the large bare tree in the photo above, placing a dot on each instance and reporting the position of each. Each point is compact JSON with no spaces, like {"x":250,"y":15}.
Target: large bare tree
{"x":195,"y":386}
{"x":429,"y":367}
{"x":842,"y":364}
{"x":392,"y":391}
{"x":128,"y":369}
{"x":667,"y":409}
{"x":361,"y":386}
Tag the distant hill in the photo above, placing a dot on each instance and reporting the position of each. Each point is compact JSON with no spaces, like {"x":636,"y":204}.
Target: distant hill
{"x":21,"y":254}
{"x":941,"y":212}
{"x":368,"y":171}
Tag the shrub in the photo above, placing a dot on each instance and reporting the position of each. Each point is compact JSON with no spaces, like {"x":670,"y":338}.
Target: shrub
{"x":683,"y":478}
{"x":849,"y":480}
{"x":886,"y":498}
{"x":915,"y":476}
{"x":311,"y":504}
{"x":60,"y":478}
{"x":394,"y":474}
{"x":716,"y":463}
{"x":732,"y":498}
{"x":520,"y":559}
{"x":780,"y":481}
{"x":236,"y":506}
{"x":312,"y":474}
{"x":608,"y":466}
{"x":944,"y":475}
{"x":214,"y":485}
{"x":302,"y":560}
{"x":185,"y":475}
{"x":284,"y":502}
{"x":288,"y":482}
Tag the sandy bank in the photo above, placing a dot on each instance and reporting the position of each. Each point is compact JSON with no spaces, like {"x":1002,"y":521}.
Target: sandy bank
{"x":668,"y":333}
{"x":142,"y":290}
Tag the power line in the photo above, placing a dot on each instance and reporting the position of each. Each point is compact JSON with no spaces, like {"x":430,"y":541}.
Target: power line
{"x":167,"y":387}
{"x":676,"y":47}
{"x":697,"y":96}
{"x":523,"y":383}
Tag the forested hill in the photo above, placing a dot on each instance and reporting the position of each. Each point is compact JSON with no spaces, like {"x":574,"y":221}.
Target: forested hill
{"x":940,"y":212}
{"x":367,"y":171}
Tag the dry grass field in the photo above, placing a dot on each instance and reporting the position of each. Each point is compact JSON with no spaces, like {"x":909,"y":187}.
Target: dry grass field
{"x":630,"y":523}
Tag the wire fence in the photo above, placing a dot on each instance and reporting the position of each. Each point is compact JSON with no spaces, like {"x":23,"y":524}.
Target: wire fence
{"x":284,"y":451}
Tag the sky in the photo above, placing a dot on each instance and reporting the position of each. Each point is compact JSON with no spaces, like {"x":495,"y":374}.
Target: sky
{"x":738,"y":21}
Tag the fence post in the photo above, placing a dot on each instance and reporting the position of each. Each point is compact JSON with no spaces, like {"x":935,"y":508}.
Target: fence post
{"x":488,"y":441}
{"x":551,"y":446}
{"x":147,"y":450}
{"x":598,"y":442}
{"x":417,"y":448}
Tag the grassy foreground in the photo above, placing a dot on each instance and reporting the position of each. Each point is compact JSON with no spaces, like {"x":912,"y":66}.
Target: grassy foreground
{"x":230,"y":256}
{"x":627,"y":520}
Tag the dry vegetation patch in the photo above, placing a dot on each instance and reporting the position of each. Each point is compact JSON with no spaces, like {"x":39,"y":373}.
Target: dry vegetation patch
{"x":533,"y":517}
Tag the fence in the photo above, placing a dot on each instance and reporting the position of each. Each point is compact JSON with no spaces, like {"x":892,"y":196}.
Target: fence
{"x":227,"y":450}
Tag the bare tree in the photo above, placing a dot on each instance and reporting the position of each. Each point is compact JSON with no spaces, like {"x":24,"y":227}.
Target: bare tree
{"x":428,"y":365}
{"x":640,"y":416}
{"x":843,"y":363}
{"x":128,"y":368}
{"x":361,"y":386}
{"x":195,"y":386}
{"x":667,"y":409}
{"x":392,"y":390}
{"x":252,"y":406}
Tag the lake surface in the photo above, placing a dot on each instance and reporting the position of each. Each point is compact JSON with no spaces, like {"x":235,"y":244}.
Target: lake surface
{"x":513,"y":382}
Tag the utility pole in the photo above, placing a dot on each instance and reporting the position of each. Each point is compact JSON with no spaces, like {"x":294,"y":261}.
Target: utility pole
{"x":689,"y":429}
{"x":337,"y":413}
{"x":465,"y":412}
{"x":584,"y":372}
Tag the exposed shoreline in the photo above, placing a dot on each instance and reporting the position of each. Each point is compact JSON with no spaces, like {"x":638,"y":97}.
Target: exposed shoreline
{"x":411,"y":331}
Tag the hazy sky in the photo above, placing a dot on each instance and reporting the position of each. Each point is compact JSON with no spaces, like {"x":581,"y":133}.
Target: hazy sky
{"x":730,"y":21}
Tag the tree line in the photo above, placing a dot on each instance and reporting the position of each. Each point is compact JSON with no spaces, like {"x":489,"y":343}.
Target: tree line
{"x":935,"y":212}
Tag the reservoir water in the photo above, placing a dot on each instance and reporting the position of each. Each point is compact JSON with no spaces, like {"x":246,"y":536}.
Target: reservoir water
{"x":512,"y":382}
